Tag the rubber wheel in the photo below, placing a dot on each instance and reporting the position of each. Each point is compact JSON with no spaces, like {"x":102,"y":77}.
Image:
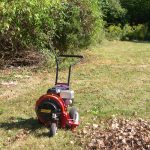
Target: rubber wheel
{"x":74,"y":114}
{"x":53,"y":129}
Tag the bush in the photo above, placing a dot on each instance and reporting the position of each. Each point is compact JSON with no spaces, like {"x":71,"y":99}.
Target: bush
{"x":47,"y":24}
{"x":138,"y":11}
{"x":113,"y":12}
{"x":127,"y":32}
{"x":139,"y":32}
{"x":25,"y":25}
{"x":114,"y":32}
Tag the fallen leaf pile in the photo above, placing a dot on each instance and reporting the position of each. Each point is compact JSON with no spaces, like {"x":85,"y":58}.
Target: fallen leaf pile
{"x":120,"y":134}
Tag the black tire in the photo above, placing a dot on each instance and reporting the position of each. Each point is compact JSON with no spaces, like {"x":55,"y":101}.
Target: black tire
{"x":74,"y":114}
{"x":53,"y":129}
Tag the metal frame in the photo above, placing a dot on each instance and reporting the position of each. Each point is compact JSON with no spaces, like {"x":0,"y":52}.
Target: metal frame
{"x":69,"y":73}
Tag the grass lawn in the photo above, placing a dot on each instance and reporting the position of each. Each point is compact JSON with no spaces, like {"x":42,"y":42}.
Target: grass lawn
{"x":113,"y":80}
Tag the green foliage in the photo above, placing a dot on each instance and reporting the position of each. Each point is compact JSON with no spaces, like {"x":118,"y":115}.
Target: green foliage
{"x":77,"y":30}
{"x":25,"y":24}
{"x":65,"y":25}
{"x":47,"y":24}
{"x":114,"y":32}
{"x":138,"y":10}
{"x":139,"y":32}
{"x":113,"y":11}
{"x":127,"y":32}
{"x":134,"y":17}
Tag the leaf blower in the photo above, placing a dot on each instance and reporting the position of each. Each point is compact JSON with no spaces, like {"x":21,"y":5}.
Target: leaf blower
{"x":52,"y":107}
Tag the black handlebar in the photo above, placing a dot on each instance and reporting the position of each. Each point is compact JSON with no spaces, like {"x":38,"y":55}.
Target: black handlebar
{"x":69,"y":73}
{"x":73,"y":56}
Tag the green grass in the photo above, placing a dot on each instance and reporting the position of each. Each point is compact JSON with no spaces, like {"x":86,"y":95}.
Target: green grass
{"x":113,"y":79}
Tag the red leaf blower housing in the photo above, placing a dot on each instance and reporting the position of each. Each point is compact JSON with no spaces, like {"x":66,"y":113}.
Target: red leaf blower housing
{"x":52,"y":108}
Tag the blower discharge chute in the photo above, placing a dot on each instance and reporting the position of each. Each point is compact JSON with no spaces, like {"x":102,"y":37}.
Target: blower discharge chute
{"x":52,"y":108}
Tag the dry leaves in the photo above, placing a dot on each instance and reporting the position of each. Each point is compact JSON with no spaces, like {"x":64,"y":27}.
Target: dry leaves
{"x":120,"y":134}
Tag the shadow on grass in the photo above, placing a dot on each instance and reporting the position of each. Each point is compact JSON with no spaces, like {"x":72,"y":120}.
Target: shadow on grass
{"x":30,"y":124}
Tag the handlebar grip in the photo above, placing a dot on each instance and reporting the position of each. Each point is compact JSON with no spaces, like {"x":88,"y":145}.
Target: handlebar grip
{"x":75,"y":56}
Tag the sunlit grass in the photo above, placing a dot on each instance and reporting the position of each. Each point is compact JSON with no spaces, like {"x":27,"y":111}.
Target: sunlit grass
{"x":113,"y":79}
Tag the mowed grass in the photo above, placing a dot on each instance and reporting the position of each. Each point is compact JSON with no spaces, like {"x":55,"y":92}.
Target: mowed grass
{"x":113,"y":80}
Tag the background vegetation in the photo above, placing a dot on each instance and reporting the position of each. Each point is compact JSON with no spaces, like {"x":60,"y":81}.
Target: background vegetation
{"x":47,"y":24}
{"x":67,"y":25}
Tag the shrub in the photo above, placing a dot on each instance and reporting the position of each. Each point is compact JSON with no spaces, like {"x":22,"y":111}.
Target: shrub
{"x":47,"y":24}
{"x":114,"y":32}
{"x":113,"y":11}
{"x":127,"y":32}
{"x":138,"y":11}
{"x":139,"y":32}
